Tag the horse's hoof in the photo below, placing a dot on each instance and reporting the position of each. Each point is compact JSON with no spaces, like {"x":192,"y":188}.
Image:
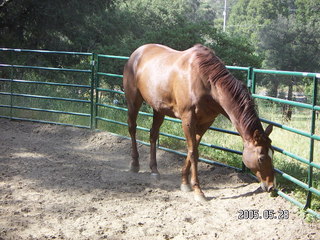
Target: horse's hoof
{"x":155,"y":176}
{"x":134,"y":169}
{"x":200,"y":197}
{"x":185,"y":188}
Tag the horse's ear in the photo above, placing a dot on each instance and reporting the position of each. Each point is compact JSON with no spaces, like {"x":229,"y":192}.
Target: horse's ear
{"x":256,"y":137}
{"x":269,"y":130}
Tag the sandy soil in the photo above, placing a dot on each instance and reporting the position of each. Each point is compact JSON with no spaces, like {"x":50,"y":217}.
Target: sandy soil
{"x":69,"y":183}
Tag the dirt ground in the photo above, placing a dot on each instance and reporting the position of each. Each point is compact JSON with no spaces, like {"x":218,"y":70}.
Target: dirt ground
{"x":69,"y":183}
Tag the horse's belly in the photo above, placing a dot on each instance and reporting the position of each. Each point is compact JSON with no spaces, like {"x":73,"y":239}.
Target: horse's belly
{"x":165,"y":107}
{"x":159,"y":97}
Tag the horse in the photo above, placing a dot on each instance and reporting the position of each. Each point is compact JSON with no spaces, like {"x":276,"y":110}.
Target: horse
{"x":194,"y":86}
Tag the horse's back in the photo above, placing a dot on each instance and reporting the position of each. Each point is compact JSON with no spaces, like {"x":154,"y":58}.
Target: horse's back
{"x":152,"y":56}
{"x":158,"y":73}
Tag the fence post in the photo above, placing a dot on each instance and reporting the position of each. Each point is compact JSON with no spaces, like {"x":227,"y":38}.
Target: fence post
{"x":250,"y":83}
{"x":249,"y":78}
{"x":312,"y":131}
{"x":97,"y":85}
{"x":11,"y":92}
{"x":93,"y":91}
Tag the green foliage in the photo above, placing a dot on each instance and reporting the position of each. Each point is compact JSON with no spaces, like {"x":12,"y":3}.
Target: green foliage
{"x":118,"y":27}
{"x":286,"y":33}
{"x":58,"y":25}
{"x":288,"y":44}
{"x":248,"y":16}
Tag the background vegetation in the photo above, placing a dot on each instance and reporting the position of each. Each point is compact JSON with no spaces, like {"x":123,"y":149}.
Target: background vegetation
{"x":259,"y":33}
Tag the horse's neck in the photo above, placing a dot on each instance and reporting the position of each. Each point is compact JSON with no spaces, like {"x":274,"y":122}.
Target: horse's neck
{"x":247,"y":132}
{"x":235,"y":113}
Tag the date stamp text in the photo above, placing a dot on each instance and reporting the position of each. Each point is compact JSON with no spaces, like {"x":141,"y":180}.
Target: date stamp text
{"x":253,"y":214}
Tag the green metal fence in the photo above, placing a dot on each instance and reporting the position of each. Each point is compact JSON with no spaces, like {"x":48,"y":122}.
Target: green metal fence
{"x":14,"y":100}
{"x":313,"y":107}
{"x":94,"y":97}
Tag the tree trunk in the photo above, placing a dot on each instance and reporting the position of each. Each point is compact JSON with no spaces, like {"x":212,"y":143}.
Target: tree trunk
{"x":287,"y":111}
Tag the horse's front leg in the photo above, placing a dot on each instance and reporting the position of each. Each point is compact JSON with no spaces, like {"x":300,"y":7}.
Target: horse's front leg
{"x":189,"y":128}
{"x":185,"y":185}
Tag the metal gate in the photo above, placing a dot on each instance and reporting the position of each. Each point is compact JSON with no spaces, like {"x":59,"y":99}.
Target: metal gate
{"x":84,"y":90}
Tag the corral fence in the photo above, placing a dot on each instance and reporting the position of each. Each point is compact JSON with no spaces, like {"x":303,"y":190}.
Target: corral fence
{"x":84,"y":90}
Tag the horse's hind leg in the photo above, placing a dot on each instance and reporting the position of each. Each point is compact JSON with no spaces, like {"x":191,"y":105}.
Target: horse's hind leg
{"x":134,"y":104}
{"x":154,"y":135}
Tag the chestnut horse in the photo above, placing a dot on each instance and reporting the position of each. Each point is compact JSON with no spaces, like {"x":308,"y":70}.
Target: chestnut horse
{"x":195,"y":86}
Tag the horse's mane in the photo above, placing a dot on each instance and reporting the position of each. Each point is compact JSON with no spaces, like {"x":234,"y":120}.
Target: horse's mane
{"x":212,"y":68}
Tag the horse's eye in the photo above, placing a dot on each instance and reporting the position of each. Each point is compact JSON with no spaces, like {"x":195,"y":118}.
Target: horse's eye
{"x":262,"y":159}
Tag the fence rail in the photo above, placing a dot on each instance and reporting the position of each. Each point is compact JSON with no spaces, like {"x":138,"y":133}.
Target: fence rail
{"x":90,"y":95}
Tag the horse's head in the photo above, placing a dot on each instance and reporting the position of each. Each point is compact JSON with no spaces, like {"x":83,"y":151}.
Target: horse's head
{"x":258,"y":155}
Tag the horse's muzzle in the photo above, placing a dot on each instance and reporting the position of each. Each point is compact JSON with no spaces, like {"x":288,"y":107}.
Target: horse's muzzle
{"x":267,"y":188}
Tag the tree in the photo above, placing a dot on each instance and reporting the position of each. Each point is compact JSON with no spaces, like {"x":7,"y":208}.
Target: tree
{"x":308,"y":37}
{"x":117,"y":27}
{"x":247,"y":17}
{"x":279,"y":47}
{"x":58,"y":24}
{"x":290,"y":43}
